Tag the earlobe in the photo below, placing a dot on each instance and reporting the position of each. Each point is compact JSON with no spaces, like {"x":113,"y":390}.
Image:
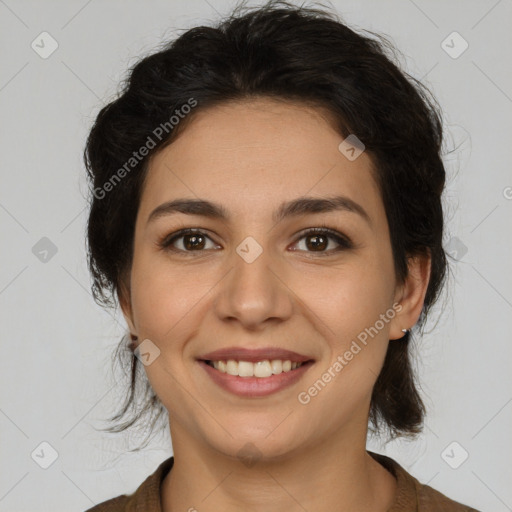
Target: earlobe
{"x":412,"y":296}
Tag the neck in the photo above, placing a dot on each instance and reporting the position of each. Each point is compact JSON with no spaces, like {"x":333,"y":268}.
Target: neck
{"x":337,"y":474}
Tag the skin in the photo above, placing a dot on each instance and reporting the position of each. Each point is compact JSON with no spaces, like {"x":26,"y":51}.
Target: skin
{"x":250,"y":157}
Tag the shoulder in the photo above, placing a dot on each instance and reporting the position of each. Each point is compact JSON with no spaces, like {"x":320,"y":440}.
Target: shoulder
{"x":118,"y":504}
{"x":430,"y":499}
{"x":146,"y":497}
{"x":413,"y":496}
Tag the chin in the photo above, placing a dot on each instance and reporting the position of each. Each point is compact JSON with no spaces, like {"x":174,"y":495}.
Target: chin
{"x":257,"y":442}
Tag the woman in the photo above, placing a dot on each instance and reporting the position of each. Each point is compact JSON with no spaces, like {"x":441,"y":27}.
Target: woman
{"x":267,"y":210}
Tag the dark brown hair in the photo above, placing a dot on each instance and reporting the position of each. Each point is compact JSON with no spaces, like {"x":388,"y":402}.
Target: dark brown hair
{"x":309,"y":56}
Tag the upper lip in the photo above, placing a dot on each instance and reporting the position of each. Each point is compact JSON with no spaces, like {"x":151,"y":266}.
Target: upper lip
{"x":253,"y":355}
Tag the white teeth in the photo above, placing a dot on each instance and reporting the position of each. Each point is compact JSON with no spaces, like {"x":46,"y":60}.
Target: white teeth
{"x":277,"y":366}
{"x":231,"y":367}
{"x":260,"y":369}
{"x":245,"y":369}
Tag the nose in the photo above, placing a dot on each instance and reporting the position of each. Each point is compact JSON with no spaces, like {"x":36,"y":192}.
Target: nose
{"x":254,"y":294}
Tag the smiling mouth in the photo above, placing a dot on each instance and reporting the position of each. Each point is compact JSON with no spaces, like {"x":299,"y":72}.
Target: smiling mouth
{"x":259,"y":369}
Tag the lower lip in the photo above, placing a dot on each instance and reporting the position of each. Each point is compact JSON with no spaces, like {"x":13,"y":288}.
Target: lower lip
{"x":255,"y":386}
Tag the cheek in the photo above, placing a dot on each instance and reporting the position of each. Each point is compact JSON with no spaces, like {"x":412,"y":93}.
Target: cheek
{"x":167,"y":302}
{"x":346,"y":299}
{"x":166,"y":297}
{"x":349,"y":302}
{"x":350,"y":309}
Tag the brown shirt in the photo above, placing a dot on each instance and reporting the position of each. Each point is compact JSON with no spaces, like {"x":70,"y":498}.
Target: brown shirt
{"x":411,"y":496}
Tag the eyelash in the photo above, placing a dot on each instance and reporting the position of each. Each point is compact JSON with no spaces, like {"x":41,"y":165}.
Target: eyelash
{"x":343,"y":241}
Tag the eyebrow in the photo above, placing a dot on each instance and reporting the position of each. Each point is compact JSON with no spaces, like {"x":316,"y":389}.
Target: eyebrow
{"x":295,"y":208}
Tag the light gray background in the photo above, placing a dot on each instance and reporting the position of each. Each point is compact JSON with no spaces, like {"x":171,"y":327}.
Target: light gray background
{"x":57,"y":344}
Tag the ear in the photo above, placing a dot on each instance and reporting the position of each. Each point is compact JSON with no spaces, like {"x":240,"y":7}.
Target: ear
{"x":124,"y":297}
{"x":411,"y":295}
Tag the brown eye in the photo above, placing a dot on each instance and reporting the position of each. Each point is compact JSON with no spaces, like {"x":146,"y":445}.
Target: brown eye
{"x":192,"y":242}
{"x":187,"y":240}
{"x":320,"y":239}
{"x":315,"y":242}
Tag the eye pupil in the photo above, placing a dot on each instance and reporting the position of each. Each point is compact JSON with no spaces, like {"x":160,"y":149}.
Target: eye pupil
{"x":322,"y":244}
{"x":191,"y":241}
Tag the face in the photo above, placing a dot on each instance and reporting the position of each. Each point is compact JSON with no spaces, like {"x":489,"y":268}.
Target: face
{"x":258,"y":284}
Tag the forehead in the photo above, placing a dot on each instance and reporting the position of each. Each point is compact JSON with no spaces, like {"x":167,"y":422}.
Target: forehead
{"x":253,"y":155}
